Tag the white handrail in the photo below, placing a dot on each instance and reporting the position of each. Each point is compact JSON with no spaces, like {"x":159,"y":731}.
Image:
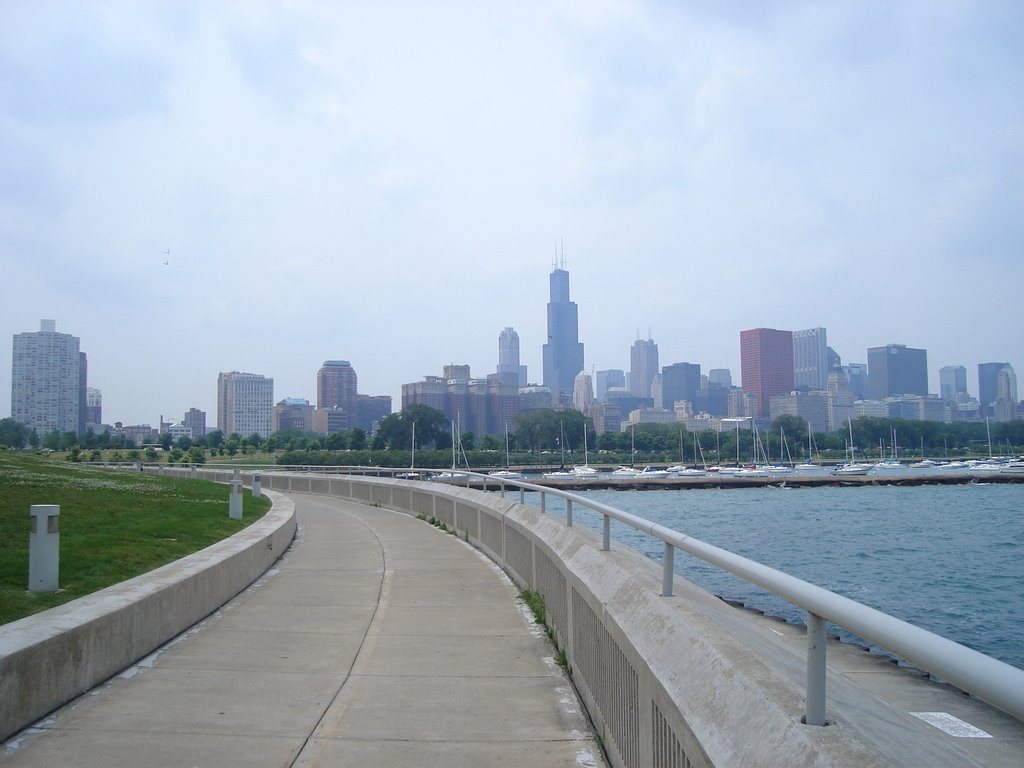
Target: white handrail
{"x":996,"y":682}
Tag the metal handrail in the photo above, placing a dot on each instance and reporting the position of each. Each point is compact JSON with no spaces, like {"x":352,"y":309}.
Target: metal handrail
{"x":996,"y":682}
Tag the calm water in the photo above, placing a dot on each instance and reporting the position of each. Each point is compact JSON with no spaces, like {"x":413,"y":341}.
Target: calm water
{"x":949,"y":559}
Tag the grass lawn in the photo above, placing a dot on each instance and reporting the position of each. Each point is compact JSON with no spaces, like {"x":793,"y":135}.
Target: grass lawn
{"x":114,"y":525}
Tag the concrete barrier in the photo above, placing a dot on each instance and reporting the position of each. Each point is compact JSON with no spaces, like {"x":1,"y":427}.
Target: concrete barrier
{"x":51,"y":657}
{"x":678,"y":681}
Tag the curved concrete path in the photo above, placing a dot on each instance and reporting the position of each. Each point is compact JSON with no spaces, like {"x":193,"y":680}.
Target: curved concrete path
{"x":376,"y":640}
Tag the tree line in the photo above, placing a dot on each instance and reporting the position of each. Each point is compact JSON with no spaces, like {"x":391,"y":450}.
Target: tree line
{"x":546,"y":436}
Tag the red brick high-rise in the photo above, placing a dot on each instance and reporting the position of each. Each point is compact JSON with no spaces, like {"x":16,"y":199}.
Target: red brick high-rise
{"x":337,"y":386}
{"x":766,"y":364}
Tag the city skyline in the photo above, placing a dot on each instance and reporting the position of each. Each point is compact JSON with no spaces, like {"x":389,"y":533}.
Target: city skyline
{"x":171,"y":168}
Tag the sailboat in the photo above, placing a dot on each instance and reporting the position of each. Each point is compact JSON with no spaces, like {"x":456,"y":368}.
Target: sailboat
{"x":507,"y":473}
{"x":411,"y":474}
{"x":681,"y":470}
{"x":808,"y":465}
{"x":851,"y":467}
{"x":580,"y":471}
{"x":456,"y":448}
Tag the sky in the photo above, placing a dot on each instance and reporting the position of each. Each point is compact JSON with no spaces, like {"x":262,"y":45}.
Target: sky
{"x":195,"y":187}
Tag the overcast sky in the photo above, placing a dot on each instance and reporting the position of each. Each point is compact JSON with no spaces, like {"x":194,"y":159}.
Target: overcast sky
{"x":386,"y":183}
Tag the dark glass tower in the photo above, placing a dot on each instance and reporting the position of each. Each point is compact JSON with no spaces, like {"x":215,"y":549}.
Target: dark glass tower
{"x":563,"y":353}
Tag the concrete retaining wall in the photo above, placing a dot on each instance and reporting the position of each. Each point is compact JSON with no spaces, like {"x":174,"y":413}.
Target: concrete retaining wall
{"x":51,"y":657}
{"x":666,"y":681}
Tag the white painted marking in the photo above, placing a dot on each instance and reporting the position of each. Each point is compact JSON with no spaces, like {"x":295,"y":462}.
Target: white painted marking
{"x":954,"y":726}
{"x":780,"y":634}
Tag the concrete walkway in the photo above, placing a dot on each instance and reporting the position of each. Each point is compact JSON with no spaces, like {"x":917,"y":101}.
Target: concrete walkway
{"x":377,"y":640}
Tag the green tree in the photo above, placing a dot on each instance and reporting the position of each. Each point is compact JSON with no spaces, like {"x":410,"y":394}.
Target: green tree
{"x":336,"y":441}
{"x":396,"y":429}
{"x":491,"y":443}
{"x":196,"y":455}
{"x":151,"y":454}
{"x":166,"y":441}
{"x":13,"y":434}
{"x":215,"y":439}
{"x":357,"y":440}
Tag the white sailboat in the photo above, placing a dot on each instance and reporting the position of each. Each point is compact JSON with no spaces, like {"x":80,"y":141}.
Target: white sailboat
{"x":507,"y":473}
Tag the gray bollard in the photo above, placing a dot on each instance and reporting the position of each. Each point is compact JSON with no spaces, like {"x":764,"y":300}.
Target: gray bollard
{"x":257,"y":486}
{"x":235,"y":500}
{"x":44,"y":548}
{"x":161,"y":470}
{"x":195,"y":472}
{"x":238,"y":474}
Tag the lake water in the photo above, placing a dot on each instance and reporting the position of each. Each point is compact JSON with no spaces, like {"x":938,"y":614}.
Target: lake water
{"x":949,"y":559}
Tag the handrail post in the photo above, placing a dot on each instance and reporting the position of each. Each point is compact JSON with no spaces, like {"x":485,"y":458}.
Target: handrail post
{"x":815,"y":670}
{"x":522,"y":495}
{"x":543,"y":502}
{"x":667,"y":571}
{"x":501,"y":488}
{"x":568,"y":513}
{"x":606,"y":533}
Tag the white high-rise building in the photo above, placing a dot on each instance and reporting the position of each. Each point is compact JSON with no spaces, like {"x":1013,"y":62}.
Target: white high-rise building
{"x":810,"y":359}
{"x":582,"y":392}
{"x":48,"y":381}
{"x":245,"y":404}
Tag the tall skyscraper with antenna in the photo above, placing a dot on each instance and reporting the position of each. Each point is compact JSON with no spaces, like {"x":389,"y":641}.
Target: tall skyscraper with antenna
{"x":563,"y":352}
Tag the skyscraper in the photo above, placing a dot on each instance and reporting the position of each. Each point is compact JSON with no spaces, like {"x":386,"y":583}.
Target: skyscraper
{"x":988,"y":385}
{"x":643,"y":366}
{"x":48,"y":381}
{"x":337,"y":387}
{"x":1005,"y":406}
{"x":245,"y":404}
{"x":582,"y":392}
{"x":509,"y":368}
{"x":93,"y":407}
{"x":766,"y":365}
{"x":563,"y":353}
{"x":679,"y":382}
{"x":952,"y":381}
{"x":607,"y":379}
{"x":897,"y":369}
{"x":810,"y":359}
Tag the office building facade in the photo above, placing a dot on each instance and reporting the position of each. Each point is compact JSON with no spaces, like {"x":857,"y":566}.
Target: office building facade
{"x":293,"y":413}
{"x":643,"y":367}
{"x":766,"y":366}
{"x":245,"y":404}
{"x":195,"y":419}
{"x":508,"y":358}
{"x":680,"y":382}
{"x":897,"y":369}
{"x":607,"y":379}
{"x":988,"y":385}
{"x":810,"y":359}
{"x":952,"y":382}
{"x":337,"y":386}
